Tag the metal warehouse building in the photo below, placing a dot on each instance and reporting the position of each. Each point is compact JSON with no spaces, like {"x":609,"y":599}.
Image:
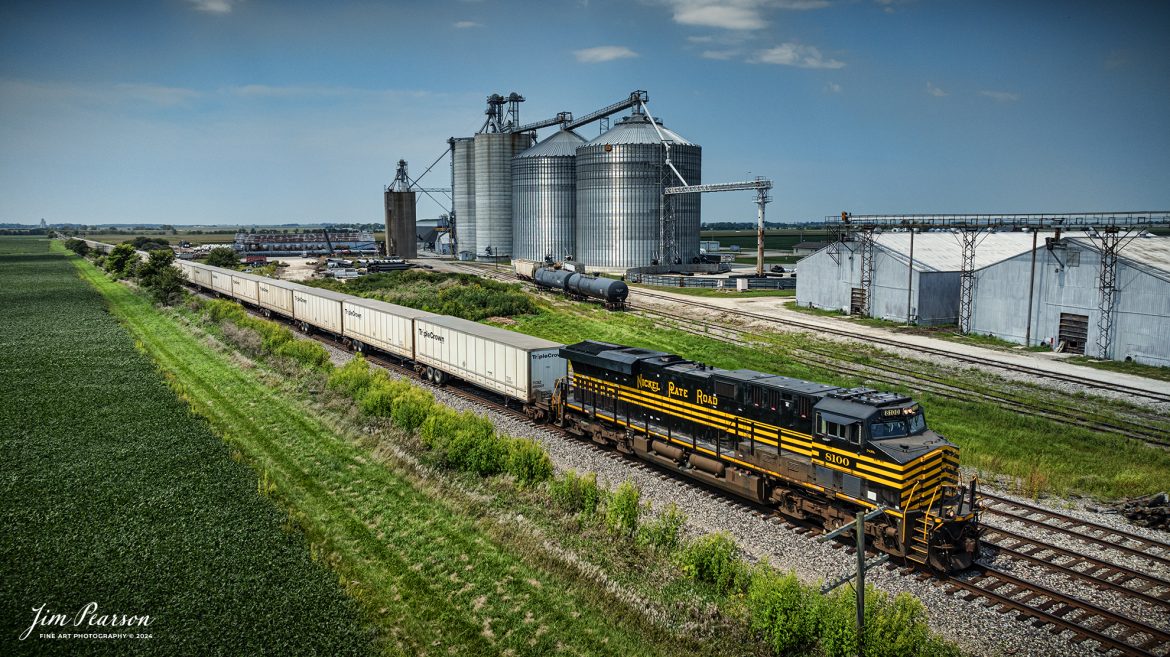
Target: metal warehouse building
{"x":831,"y":278}
{"x":1063,"y":302}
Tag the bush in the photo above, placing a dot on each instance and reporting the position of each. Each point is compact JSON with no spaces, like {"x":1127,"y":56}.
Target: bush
{"x":439,"y":427}
{"x":621,"y":511}
{"x":577,"y":493}
{"x":352,"y":378}
{"x":411,"y":408}
{"x":77,"y":246}
{"x":120,"y":260}
{"x":528,"y":462}
{"x":219,"y":310}
{"x":785,"y":612}
{"x":664,"y":532}
{"x":166,"y":287}
{"x":483,"y":455}
{"x":714,"y":559}
{"x":305,"y":352}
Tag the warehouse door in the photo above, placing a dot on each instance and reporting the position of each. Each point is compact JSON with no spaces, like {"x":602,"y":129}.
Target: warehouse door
{"x":1074,"y":332}
{"x":857,"y":301}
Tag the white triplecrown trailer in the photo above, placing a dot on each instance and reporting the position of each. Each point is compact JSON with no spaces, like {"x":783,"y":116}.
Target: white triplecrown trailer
{"x":317,"y":308}
{"x":385,"y":326}
{"x":245,"y":287}
{"x":221,"y":280}
{"x":202,"y":276}
{"x":275,"y":296}
{"x":513,"y":364}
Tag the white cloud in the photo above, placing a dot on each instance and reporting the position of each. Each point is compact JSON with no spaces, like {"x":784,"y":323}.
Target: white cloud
{"x":463,"y":25}
{"x":728,"y":17}
{"x":832,"y":87}
{"x":935,"y":91}
{"x":719,"y":54}
{"x":603,"y":54}
{"x":214,"y":6}
{"x":1000,"y":96}
{"x":795,"y":54}
{"x":700,"y":39}
{"x":156,"y":94}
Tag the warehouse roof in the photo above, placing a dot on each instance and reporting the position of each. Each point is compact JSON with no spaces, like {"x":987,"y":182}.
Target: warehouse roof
{"x":944,"y":251}
{"x":1151,"y":253}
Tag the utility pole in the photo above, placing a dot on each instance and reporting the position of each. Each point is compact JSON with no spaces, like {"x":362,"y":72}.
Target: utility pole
{"x":858,"y":528}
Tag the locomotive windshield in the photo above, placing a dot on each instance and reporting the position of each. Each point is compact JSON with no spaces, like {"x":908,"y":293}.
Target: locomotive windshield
{"x":883,"y":428}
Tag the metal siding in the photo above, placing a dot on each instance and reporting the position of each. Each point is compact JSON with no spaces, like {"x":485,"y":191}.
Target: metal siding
{"x":245,"y":289}
{"x":1141,"y":327}
{"x":463,"y":183}
{"x":381,"y":327}
{"x":221,"y":280}
{"x":544,"y":199}
{"x":317,"y":310}
{"x":401,"y":224}
{"x":619,"y":196}
{"x":937,"y":295}
{"x":274,"y":296}
{"x":823,"y":282}
{"x":492,"y":361}
{"x":493,"y":189}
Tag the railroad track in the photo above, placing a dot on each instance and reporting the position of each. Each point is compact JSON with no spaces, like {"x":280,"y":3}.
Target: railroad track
{"x":1113,"y":632}
{"x":809,"y":326}
{"x":1072,"y":415}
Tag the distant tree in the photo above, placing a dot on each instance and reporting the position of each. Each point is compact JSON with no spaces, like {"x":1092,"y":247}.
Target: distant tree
{"x":120,"y":261}
{"x":223,"y":256}
{"x":77,"y":246}
{"x":160,"y":260}
{"x":166,"y":286}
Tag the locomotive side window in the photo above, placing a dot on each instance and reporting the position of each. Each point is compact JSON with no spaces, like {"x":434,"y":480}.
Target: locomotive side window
{"x":847,"y":432}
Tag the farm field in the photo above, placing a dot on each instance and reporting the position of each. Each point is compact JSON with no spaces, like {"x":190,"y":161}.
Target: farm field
{"x":434,"y":570}
{"x":114,"y":493}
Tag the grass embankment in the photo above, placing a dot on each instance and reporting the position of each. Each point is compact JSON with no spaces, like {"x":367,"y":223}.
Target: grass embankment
{"x":460,"y":295}
{"x":1136,"y":369}
{"x":114,"y":493}
{"x":437,"y":572}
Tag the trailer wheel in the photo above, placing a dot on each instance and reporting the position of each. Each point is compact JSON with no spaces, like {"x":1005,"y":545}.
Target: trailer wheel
{"x":430,"y":374}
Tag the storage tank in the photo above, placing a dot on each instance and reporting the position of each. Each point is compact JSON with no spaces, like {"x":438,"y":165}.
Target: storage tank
{"x":493,"y":189}
{"x":620,"y":179}
{"x":463,"y":189}
{"x":401,"y":230}
{"x":544,"y":198}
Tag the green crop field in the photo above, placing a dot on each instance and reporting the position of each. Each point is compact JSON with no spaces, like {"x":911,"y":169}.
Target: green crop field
{"x":114,"y":493}
{"x":434,"y":569}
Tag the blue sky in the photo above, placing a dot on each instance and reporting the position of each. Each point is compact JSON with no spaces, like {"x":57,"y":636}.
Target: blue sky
{"x":258,"y":112}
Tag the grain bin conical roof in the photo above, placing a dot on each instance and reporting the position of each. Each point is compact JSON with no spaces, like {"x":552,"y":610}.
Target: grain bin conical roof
{"x":563,"y":143}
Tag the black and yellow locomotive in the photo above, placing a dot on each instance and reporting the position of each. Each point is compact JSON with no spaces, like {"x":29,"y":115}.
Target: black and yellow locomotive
{"x":813,"y":451}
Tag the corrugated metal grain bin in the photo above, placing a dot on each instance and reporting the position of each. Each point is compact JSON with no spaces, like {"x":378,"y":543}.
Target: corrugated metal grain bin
{"x":275,"y":295}
{"x":221,"y":280}
{"x":517,"y":365}
{"x":245,"y":287}
{"x":382,"y":325}
{"x":316,"y":307}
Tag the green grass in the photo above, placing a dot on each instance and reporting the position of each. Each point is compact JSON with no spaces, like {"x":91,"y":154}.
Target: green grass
{"x":437,"y":574}
{"x":114,"y":493}
{"x":716,"y":293}
{"x":1162,"y":373}
{"x":460,"y":295}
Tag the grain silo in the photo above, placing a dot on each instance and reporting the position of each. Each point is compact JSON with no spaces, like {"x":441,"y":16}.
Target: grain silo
{"x":463,"y":191}
{"x":621,"y":221}
{"x":401,"y":235}
{"x":493,"y":189}
{"x":544,"y":198}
